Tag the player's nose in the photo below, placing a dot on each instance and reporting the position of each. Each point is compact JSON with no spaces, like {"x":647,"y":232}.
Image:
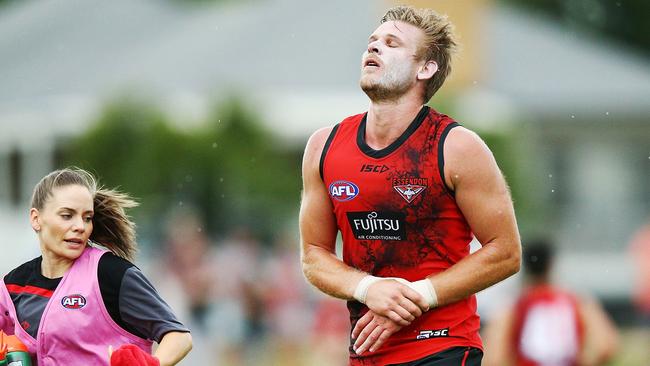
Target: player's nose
{"x":373,"y":47}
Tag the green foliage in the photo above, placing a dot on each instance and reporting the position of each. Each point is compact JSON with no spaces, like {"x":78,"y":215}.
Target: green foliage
{"x":509,"y":157}
{"x":230,"y":170}
{"x":622,"y":20}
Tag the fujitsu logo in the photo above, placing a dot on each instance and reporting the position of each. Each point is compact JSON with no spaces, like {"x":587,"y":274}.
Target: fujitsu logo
{"x":377,"y":225}
{"x":373,"y":223}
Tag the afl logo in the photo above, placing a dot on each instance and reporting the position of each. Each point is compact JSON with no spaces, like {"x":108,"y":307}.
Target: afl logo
{"x":73,"y":301}
{"x":342,"y":190}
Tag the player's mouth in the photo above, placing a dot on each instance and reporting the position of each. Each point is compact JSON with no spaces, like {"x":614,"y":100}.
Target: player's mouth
{"x":371,"y":62}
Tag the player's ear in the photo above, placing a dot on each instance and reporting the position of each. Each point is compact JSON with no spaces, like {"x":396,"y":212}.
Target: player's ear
{"x":427,"y":70}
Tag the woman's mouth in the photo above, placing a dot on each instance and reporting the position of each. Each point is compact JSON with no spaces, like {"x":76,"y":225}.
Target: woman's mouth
{"x":74,"y":241}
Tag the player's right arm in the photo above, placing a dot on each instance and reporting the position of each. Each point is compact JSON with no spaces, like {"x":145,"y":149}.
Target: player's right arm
{"x":601,"y":336}
{"x":322,"y":267}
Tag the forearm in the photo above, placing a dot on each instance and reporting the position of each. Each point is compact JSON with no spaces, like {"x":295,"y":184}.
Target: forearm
{"x":328,"y":273}
{"x":487,"y":266}
{"x":173,"y":347}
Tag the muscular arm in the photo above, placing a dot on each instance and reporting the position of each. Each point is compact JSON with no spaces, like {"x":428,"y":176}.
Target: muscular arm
{"x":483,"y":197}
{"x":321,"y":266}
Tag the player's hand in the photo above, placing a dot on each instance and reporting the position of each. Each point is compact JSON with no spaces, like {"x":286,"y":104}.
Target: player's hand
{"x":131,"y":355}
{"x":395,"y":301}
{"x":371,"y":331}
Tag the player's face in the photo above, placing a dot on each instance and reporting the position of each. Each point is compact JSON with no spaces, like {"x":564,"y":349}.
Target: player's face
{"x":389,"y":66}
{"x":65,"y":222}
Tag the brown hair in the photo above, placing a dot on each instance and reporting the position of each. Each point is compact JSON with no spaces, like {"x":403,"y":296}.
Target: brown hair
{"x":439,"y":41}
{"x":112,"y":227}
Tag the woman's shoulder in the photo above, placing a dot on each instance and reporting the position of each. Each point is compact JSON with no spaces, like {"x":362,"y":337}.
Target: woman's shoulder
{"x":109,"y":258}
{"x":113,"y":267}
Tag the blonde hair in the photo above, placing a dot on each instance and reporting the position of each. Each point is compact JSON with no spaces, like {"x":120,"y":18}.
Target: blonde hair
{"x":112,"y":227}
{"x":439,"y":41}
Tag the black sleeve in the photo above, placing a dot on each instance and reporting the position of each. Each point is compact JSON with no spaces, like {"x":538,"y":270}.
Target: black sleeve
{"x":132,"y":301}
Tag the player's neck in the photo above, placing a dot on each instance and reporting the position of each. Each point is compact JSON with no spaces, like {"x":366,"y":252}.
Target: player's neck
{"x":387,"y":120}
{"x":53,"y":266}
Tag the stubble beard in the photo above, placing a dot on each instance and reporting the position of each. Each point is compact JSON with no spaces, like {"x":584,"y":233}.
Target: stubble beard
{"x":392,"y":85}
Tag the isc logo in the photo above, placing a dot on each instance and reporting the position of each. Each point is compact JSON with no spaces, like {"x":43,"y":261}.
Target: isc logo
{"x":371,"y":168}
{"x":342,"y":190}
{"x":73,"y":301}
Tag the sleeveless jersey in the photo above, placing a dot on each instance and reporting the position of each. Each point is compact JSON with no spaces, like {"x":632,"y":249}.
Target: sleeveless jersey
{"x":547,"y":328}
{"x":75,"y":328}
{"x":397,"y":218}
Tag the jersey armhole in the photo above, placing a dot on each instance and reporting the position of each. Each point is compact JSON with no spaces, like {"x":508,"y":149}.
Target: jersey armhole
{"x":441,"y":155}
{"x":325,"y":148}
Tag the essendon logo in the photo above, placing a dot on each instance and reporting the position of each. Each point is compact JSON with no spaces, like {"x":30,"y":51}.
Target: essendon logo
{"x":342,"y":190}
{"x":73,"y":301}
{"x":377,"y":225}
{"x":409,"y":192}
{"x":409,"y":188}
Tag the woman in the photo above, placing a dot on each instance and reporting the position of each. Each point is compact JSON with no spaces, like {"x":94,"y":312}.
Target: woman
{"x":78,"y":302}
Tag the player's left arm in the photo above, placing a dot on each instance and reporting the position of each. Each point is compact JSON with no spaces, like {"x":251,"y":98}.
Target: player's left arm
{"x":173,"y":347}
{"x":483,"y":197}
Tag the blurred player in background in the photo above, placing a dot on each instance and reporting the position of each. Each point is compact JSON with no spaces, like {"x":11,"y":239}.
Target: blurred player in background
{"x":548,"y":325}
{"x":81,"y":304}
{"x":407,"y":187}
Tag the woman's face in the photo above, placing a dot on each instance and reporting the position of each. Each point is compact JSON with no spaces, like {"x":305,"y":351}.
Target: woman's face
{"x":65,"y":222}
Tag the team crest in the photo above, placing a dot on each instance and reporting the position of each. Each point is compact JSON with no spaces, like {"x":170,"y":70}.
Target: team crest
{"x":409,"y":188}
{"x":409,"y":192}
{"x":73,"y":301}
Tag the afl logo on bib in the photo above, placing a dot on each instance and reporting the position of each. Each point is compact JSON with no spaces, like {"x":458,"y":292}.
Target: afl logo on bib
{"x":73,"y":301}
{"x":342,"y":190}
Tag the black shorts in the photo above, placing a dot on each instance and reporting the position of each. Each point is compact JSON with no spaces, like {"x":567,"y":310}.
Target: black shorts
{"x":456,"y":356}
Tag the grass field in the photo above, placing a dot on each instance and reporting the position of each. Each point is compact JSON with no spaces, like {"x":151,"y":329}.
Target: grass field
{"x":634,"y":348}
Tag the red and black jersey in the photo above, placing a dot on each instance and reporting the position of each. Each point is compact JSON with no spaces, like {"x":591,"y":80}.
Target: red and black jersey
{"x":547,"y":327}
{"x":398,"y":219}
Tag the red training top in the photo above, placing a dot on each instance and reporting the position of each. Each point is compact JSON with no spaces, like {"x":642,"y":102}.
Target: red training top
{"x":398,"y":219}
{"x":547,"y":327}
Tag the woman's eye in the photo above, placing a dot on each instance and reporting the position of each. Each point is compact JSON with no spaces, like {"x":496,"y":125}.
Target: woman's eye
{"x":88,"y":219}
{"x":66,"y":216}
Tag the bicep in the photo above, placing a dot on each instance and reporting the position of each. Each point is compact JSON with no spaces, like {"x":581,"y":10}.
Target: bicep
{"x":480,"y":189}
{"x":317,"y":221}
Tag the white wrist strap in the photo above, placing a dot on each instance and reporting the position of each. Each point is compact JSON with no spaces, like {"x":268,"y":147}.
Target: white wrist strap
{"x":425,"y":289}
{"x":361,"y":291}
